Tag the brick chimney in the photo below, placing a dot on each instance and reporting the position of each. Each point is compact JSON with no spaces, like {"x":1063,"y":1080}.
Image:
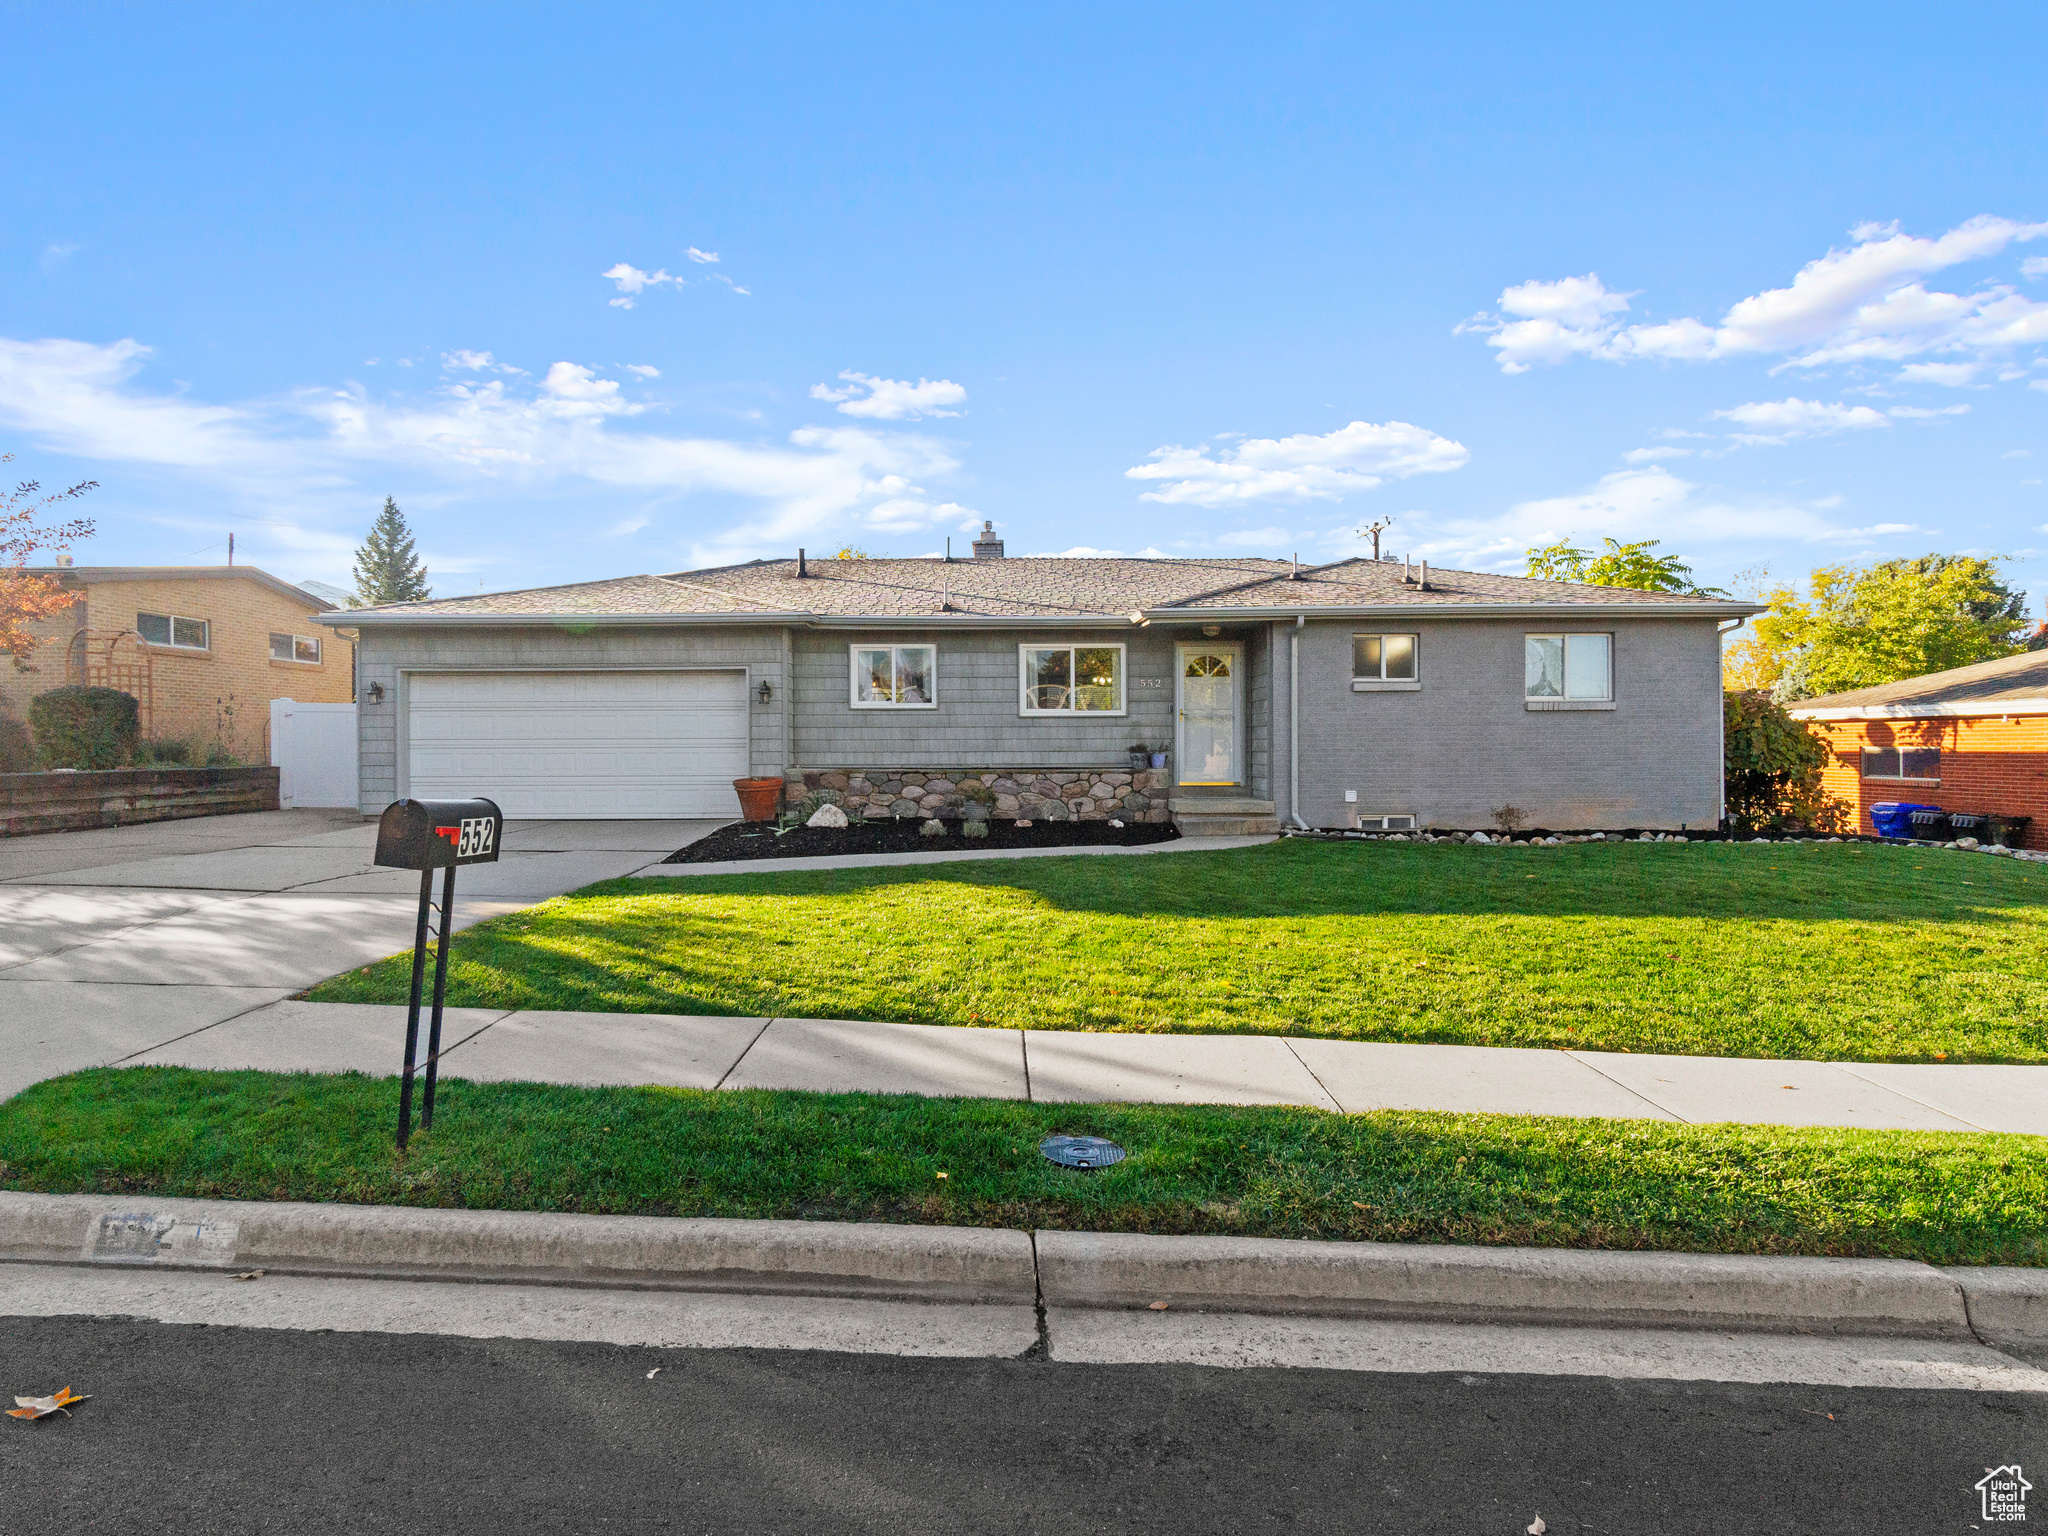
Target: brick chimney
{"x":988,"y":546}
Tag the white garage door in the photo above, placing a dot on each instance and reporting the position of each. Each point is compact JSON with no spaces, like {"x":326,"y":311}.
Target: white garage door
{"x":580,"y":744}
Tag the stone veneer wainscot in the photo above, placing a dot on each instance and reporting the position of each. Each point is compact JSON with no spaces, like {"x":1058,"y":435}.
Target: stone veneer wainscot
{"x":1032,"y":794}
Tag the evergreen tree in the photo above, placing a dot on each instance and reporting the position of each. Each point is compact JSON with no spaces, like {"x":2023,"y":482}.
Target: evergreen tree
{"x":387,"y":568}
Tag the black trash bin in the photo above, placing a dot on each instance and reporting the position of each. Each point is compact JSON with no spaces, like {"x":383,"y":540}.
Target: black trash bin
{"x":1930,"y":825}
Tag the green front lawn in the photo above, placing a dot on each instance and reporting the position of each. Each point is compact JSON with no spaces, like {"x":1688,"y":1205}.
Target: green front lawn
{"x":1946,"y":1198}
{"x":1842,"y":951}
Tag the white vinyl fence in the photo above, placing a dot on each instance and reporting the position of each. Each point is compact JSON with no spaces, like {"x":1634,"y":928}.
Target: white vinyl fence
{"x":314,"y":747}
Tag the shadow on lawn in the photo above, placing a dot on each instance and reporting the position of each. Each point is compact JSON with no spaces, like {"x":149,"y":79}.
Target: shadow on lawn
{"x":1811,"y":883}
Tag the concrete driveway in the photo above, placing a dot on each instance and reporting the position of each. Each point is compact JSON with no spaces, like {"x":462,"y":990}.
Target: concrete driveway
{"x":121,"y":939}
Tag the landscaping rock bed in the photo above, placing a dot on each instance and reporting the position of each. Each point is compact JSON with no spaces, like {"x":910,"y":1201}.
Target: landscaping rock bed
{"x":760,"y":840}
{"x":1540,"y":838}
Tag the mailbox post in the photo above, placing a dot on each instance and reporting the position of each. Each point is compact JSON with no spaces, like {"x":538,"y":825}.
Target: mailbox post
{"x":427,"y":835}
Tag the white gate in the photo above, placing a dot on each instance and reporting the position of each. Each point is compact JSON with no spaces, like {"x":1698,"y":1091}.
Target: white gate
{"x":314,"y":747}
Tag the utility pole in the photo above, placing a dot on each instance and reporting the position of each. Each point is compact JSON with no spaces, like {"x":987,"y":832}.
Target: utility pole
{"x":1373,"y":531}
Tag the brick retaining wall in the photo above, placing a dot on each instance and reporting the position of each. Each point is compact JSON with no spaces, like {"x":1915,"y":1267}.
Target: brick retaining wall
{"x":65,"y":802}
{"x":1036,"y":794}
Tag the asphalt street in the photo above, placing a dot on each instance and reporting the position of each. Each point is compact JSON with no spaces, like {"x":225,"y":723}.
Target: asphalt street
{"x":228,"y":1430}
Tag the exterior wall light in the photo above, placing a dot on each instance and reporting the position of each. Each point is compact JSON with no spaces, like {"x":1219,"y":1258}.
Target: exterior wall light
{"x":376,"y":692}
{"x":766,"y":691}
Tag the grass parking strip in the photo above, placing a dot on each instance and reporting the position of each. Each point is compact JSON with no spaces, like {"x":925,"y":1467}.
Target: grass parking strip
{"x":1943,"y":1197}
{"x":1845,"y":952}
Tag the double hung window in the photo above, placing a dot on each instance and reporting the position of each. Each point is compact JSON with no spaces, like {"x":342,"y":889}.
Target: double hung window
{"x":178,"y":633}
{"x":1901,"y":762}
{"x":1569,"y":668}
{"x":1071,"y":679}
{"x":895,"y":677}
{"x":295,"y":648}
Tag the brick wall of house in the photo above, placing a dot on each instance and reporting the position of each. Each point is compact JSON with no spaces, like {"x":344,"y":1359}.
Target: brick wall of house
{"x":188,"y":690}
{"x":1990,"y":765}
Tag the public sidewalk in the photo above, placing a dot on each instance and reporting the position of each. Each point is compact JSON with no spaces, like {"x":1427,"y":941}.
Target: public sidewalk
{"x":1057,"y":1066}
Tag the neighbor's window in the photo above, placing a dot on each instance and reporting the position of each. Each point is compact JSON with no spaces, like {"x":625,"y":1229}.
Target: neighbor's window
{"x":1388,"y":658}
{"x":1902,"y":762}
{"x":895,"y":677}
{"x":1071,"y":679}
{"x":1570,"y":666}
{"x":294,"y":648}
{"x":167,"y":629}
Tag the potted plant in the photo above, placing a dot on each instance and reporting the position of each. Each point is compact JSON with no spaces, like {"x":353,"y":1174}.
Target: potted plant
{"x":1140,"y":756}
{"x":1159,"y":759}
{"x":759,"y":798}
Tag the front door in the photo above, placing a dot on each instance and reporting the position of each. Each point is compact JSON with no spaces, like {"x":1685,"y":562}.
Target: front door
{"x":1209,"y":687}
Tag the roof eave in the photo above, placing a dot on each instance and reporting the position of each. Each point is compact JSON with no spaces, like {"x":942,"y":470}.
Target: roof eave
{"x":1921,"y":711}
{"x":1693,"y":610}
{"x":372,"y":618}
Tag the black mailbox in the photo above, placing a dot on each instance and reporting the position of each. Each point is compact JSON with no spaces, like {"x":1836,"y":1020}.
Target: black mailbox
{"x":439,"y":834}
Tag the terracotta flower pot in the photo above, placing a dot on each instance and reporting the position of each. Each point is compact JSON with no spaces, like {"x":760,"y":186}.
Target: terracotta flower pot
{"x":759,"y":798}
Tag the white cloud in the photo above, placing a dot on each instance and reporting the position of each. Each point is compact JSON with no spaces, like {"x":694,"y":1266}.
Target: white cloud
{"x":1090,"y":552}
{"x":318,"y":454}
{"x":466,"y":361}
{"x":1300,"y":468}
{"x":2017,"y":453}
{"x":643,"y":370}
{"x":632,"y":282}
{"x":700,"y":257}
{"x":720,"y":277}
{"x":892,"y":399}
{"x":1782,"y":421}
{"x":1866,"y":302}
{"x":1629,"y":504}
{"x":1923,"y":413}
{"x":2034,"y":266}
{"x":1950,"y":375}
{"x":1651,"y":455}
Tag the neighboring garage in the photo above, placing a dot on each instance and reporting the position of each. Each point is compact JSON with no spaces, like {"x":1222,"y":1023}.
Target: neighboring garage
{"x":579,"y":745}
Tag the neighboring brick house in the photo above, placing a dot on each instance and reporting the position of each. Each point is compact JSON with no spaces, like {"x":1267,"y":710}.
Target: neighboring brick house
{"x":1973,"y":739}
{"x":185,"y":640}
{"x":1360,"y":693}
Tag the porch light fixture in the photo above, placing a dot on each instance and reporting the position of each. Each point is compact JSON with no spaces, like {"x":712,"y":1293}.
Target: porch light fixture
{"x":764,"y":692}
{"x":1211,"y":631}
{"x":376,"y":693}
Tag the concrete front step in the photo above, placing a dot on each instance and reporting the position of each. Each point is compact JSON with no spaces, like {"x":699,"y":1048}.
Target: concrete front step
{"x":1223,"y":816}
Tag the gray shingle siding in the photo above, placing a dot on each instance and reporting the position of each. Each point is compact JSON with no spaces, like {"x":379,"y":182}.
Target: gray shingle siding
{"x":1465,"y":744}
{"x":977,"y":720}
{"x":385,"y":653}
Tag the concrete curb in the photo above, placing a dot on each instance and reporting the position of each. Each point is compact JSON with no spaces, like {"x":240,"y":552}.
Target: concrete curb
{"x":2004,"y":1307}
{"x":813,"y":1258}
{"x":1448,"y":1283}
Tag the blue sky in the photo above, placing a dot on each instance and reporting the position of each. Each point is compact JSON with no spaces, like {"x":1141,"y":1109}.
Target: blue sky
{"x":596,"y":292}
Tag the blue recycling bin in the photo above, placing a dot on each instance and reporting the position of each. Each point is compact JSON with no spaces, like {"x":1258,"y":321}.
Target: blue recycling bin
{"x":1894,"y":818}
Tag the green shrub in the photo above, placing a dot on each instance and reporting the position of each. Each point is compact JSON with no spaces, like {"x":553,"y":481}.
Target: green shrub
{"x":16,"y":753}
{"x":1771,"y":775}
{"x":168,"y":752}
{"x":77,"y":727}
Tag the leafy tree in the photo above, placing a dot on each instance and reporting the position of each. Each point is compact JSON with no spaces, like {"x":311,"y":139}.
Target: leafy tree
{"x":24,"y":598}
{"x":851,"y":553}
{"x":1619,"y":565}
{"x":80,"y":727}
{"x":387,"y":568}
{"x":1771,"y":767}
{"x":1856,"y":627}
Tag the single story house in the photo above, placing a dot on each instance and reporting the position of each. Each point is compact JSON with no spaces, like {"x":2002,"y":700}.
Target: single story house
{"x":203,"y":648}
{"x":1358,"y":693}
{"x":1972,"y":739}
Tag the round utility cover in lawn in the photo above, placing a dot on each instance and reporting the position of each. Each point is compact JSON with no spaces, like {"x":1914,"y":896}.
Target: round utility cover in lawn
{"x":1080,"y":1151}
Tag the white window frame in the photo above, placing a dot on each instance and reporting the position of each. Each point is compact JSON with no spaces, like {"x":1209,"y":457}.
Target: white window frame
{"x":853,"y":673}
{"x":1383,"y":683}
{"x":1123,"y":680}
{"x":1898,"y":760}
{"x":1380,"y":822}
{"x":1543,"y":702}
{"x":292,"y":644}
{"x":173,"y":620}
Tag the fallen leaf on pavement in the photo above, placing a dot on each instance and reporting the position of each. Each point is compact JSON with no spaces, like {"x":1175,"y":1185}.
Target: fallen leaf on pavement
{"x":39,"y":1407}
{"x":1158,"y":1306}
{"x":1538,"y":1528}
{"x":654,"y":1373}
{"x":248,"y":1274}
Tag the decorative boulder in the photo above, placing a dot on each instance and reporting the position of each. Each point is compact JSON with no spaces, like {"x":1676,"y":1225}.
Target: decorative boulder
{"x":932,"y":828}
{"x":1481,"y":837}
{"x":827,"y":816}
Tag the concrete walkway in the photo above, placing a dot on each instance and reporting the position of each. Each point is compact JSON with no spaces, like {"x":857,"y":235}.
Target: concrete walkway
{"x":1054,"y":1066}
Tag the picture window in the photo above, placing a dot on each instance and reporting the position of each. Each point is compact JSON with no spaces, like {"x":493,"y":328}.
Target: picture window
{"x":1577,"y":667}
{"x":1901,"y":762}
{"x":1071,"y":679}
{"x":178,"y":633}
{"x":1384,"y":658}
{"x":895,"y":676}
{"x":295,"y":648}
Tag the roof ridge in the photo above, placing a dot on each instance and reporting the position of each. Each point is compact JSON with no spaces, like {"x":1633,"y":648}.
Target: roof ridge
{"x":731,"y":601}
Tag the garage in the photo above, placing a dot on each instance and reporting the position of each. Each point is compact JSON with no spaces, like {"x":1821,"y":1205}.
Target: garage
{"x":580,"y":745}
